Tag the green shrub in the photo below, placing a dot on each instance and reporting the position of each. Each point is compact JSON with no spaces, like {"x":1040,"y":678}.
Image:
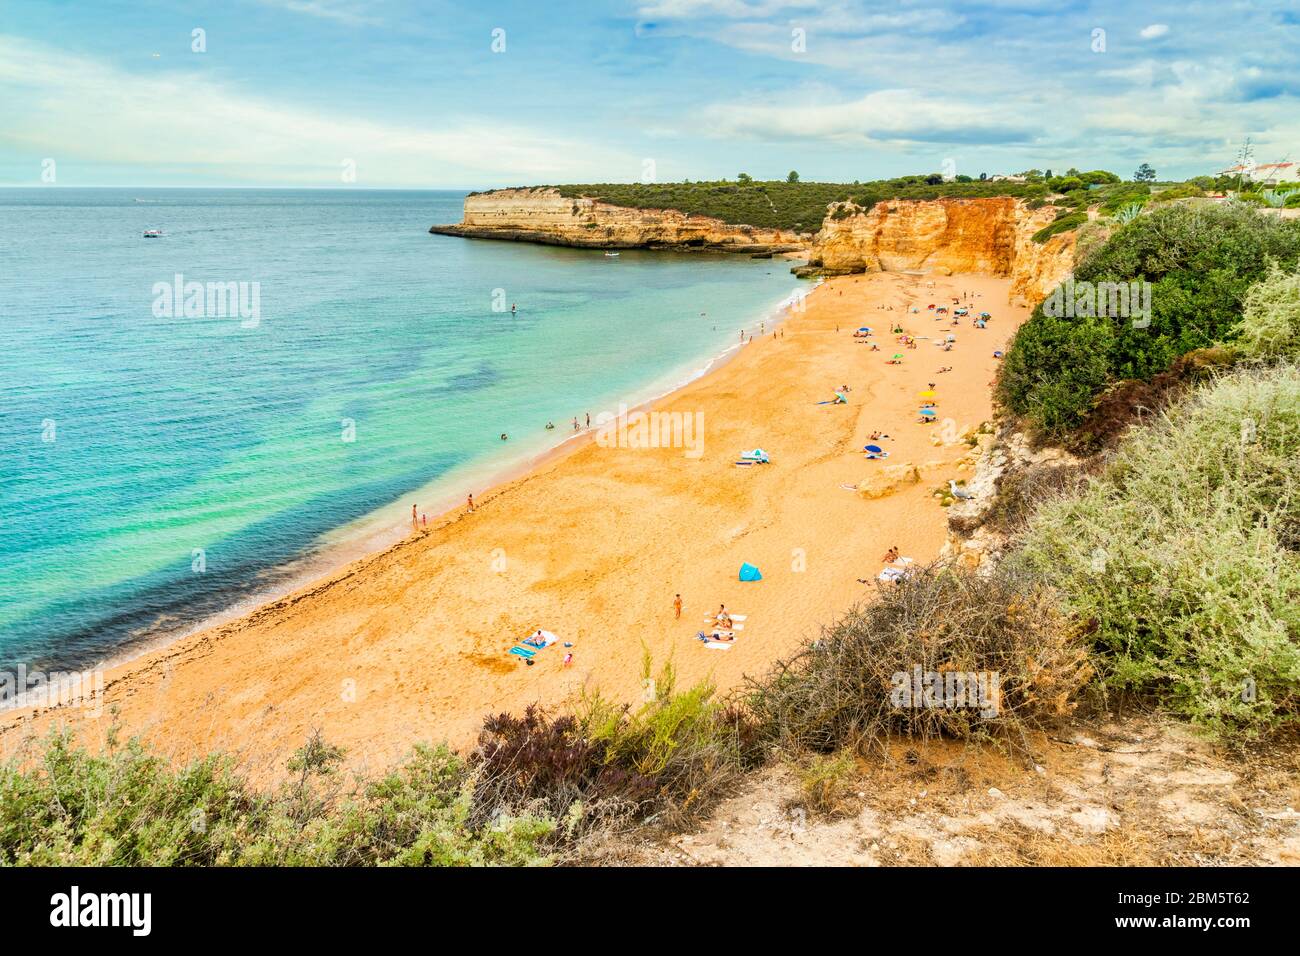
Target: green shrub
{"x":1188,"y":190}
{"x":129,"y":807}
{"x":826,"y":782}
{"x":1116,"y":196}
{"x":1054,"y":369}
{"x":1270,"y":325}
{"x":1184,"y":558}
{"x":1064,"y":223}
{"x":535,"y":787}
{"x":1199,"y":260}
{"x":781,"y":204}
{"x":691,"y":744}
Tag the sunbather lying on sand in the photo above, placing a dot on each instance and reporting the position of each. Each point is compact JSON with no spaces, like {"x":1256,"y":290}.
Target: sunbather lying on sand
{"x":715,"y":636}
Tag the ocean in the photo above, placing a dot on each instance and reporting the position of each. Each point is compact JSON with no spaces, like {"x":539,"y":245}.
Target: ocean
{"x":192,"y":423}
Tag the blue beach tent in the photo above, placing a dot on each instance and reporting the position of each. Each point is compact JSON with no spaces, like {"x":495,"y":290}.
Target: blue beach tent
{"x":750,"y":573}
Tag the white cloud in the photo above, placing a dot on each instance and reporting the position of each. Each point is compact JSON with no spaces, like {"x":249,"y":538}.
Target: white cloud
{"x":61,"y":105}
{"x":885,"y":116}
{"x":736,"y":9}
{"x":1153,"y":31}
{"x":347,"y":12}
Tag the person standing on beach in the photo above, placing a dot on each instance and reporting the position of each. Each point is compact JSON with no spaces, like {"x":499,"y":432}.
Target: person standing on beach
{"x":414,"y":523}
{"x":588,"y":419}
{"x":575,"y":423}
{"x":677,"y":606}
{"x":470,"y":501}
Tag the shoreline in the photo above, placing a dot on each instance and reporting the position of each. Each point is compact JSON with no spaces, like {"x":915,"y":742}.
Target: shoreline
{"x":377,"y":532}
{"x":407,"y":591}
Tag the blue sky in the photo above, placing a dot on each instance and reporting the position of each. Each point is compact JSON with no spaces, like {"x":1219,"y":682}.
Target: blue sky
{"x":410,"y":93}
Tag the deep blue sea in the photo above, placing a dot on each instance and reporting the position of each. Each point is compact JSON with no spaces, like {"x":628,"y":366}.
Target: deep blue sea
{"x":161,"y":465}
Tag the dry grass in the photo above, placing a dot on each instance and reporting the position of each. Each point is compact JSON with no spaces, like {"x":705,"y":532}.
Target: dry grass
{"x":852,"y":687}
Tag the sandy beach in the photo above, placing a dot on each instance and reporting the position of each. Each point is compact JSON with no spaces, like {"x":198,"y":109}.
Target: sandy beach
{"x":412,"y":644}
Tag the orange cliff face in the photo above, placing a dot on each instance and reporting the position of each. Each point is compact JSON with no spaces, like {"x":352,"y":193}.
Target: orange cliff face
{"x":543,"y":215}
{"x":990,"y":236}
{"x":987,"y":236}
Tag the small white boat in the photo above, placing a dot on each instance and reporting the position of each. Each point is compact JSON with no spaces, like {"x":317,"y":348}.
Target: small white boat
{"x":153,"y":233}
{"x":611,"y":255}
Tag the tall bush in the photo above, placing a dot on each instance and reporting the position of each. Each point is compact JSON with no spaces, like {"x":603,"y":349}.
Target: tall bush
{"x":1184,"y":558}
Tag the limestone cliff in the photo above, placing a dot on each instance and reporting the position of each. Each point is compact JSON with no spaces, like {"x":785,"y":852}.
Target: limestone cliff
{"x":992,"y":236}
{"x":543,"y":215}
{"x":946,"y":235}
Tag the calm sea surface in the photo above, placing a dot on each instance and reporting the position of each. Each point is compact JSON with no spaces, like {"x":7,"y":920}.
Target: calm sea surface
{"x":162,"y":465}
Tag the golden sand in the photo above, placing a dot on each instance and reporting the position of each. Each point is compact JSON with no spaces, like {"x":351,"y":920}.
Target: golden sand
{"x":411,"y":644}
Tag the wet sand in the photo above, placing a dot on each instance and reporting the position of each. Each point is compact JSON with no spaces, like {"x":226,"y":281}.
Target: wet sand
{"x":411,"y":644}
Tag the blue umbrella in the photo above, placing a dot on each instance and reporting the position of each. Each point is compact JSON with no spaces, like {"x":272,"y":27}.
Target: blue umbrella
{"x":928,"y":412}
{"x":875,"y":449}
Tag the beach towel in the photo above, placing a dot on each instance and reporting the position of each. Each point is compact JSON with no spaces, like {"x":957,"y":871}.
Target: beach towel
{"x":527,"y":649}
{"x":717,"y":646}
{"x":749,"y":572}
{"x":547,"y":640}
{"x":892,"y":574}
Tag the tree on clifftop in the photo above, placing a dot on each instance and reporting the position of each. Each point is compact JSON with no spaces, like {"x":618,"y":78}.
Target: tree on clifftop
{"x":1144,"y":174}
{"x":744,"y":179}
{"x":793,"y":177}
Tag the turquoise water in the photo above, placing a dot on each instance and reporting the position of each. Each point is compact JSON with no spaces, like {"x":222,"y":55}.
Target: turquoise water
{"x":156,"y":470}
